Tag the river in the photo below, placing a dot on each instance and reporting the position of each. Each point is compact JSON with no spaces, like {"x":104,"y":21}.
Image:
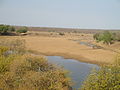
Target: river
{"x":78,"y":70}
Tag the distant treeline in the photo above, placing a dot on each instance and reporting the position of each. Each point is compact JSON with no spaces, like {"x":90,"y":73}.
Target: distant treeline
{"x":8,"y":30}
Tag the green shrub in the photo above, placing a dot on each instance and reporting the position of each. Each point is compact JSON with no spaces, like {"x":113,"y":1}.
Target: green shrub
{"x":22,"y":30}
{"x":106,"y":37}
{"x":6,"y":29}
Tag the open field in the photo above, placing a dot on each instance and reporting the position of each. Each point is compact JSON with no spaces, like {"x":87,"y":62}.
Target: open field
{"x":53,"y":44}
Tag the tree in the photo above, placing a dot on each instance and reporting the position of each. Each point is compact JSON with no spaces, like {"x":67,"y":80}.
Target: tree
{"x":6,"y":29}
{"x":106,"y":37}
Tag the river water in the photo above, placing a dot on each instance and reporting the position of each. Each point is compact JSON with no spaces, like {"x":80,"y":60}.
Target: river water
{"x":78,"y":70}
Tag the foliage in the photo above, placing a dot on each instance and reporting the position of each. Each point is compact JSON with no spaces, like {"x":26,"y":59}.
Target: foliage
{"x":106,"y":37}
{"x":106,"y":78}
{"x":117,"y":36}
{"x":22,"y":30}
{"x":28,"y":72}
{"x":6,"y":29}
{"x":11,"y":29}
{"x":96,"y":36}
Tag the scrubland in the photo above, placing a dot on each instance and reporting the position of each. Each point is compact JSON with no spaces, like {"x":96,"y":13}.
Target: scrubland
{"x":21,"y":70}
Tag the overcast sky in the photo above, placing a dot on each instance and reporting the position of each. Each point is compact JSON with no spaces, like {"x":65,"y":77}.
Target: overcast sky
{"x":92,"y":14}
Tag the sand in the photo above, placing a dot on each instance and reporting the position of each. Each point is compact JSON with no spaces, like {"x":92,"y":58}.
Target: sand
{"x":64,"y":46}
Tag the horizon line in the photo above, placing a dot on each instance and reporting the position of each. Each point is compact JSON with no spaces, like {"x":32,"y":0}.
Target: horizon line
{"x":60,"y":27}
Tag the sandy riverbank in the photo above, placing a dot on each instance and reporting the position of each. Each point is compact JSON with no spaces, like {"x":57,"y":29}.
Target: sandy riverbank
{"x":64,"y":46}
{"x":56,"y":45}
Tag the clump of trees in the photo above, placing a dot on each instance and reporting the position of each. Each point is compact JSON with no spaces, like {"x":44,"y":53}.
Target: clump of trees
{"x":22,"y":71}
{"x":107,"y":37}
{"x":6,"y":29}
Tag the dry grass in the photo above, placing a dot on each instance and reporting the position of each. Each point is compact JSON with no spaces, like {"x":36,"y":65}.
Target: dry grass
{"x":28,"y":72}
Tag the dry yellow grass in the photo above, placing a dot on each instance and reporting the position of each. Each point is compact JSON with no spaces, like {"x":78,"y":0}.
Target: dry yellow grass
{"x":56,"y":45}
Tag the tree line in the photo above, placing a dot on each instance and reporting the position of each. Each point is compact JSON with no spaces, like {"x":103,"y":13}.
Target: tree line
{"x":7,"y":30}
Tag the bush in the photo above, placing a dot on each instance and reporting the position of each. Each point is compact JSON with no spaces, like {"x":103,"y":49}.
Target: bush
{"x":22,"y":30}
{"x":106,"y":78}
{"x":106,"y":37}
{"x":28,"y":72}
{"x":61,"y":34}
{"x":6,"y":29}
{"x":96,"y":36}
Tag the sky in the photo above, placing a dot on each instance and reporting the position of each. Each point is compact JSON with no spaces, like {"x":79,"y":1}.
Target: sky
{"x":83,"y":14}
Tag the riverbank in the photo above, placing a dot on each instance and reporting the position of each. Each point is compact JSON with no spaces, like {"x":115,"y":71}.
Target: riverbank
{"x":65,"y":47}
{"x":53,"y":44}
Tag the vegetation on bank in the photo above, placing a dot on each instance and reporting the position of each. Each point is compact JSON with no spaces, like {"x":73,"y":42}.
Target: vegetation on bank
{"x":8,"y":30}
{"x":106,"y":78}
{"x":22,"y":71}
{"x":22,"y":30}
{"x":107,"y":37}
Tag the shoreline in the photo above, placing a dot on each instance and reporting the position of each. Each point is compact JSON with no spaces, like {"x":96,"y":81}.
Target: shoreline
{"x":67,"y":56}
